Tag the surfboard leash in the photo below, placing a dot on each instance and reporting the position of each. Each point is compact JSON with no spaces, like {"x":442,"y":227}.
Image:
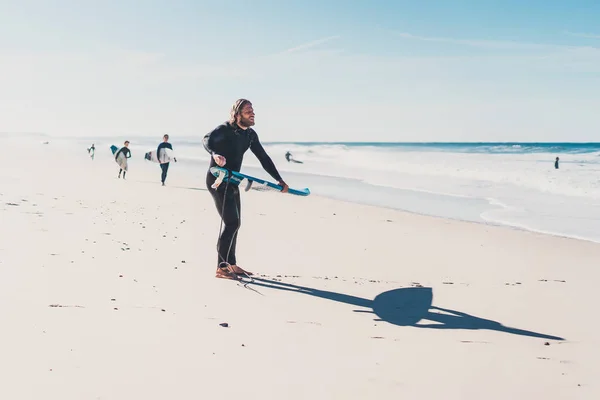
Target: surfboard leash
{"x":224,"y":264}
{"x":244,"y":279}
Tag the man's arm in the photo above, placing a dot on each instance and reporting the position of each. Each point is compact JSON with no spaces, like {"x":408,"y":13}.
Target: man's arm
{"x":264,"y":159}
{"x":212,"y":140}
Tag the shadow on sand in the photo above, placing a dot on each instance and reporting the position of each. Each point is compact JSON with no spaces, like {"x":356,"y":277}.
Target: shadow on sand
{"x":406,"y":307}
{"x":190,"y":188}
{"x":157,"y":183}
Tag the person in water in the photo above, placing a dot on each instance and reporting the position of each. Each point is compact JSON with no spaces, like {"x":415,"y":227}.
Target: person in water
{"x":556,"y":163}
{"x":227,"y":144}
{"x":164,"y":166}
{"x":288,"y":156}
{"x":92,"y":151}
{"x":123,"y":162}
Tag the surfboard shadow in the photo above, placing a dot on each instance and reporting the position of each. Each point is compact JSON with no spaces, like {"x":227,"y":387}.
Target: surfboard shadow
{"x":411,"y":306}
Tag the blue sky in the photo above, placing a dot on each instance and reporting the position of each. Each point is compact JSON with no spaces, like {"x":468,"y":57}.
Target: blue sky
{"x":315,"y":70}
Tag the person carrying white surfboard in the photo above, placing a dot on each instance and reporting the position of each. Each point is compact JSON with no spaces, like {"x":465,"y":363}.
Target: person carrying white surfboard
{"x":121,"y":158}
{"x":92,"y":151}
{"x":163,"y":159}
{"x":227,"y":144}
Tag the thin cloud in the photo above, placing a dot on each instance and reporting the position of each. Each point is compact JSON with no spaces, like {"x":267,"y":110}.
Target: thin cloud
{"x":583,"y":35}
{"x":310,"y":44}
{"x":487,"y":44}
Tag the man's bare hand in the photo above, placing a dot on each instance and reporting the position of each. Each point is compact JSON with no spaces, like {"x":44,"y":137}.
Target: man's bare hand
{"x":220,"y":160}
{"x":284,"y":186}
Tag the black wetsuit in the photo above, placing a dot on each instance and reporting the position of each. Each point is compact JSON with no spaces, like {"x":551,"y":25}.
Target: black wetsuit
{"x":126,"y":152}
{"x":164,"y":166}
{"x":232,"y":142}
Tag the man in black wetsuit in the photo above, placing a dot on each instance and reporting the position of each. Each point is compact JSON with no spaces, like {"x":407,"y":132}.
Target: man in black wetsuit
{"x":227,"y":144}
{"x":164,"y":166}
{"x":126,"y":154}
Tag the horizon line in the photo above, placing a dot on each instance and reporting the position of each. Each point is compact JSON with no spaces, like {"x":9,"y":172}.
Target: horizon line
{"x":199,"y":137}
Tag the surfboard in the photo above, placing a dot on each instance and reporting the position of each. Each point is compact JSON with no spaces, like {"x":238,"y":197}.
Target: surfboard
{"x":122,"y":161}
{"x":114,"y":149}
{"x":251,"y":182}
{"x":167,"y":155}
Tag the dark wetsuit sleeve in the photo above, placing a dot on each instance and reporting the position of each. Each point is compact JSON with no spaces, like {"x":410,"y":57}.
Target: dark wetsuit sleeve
{"x":209,"y":140}
{"x":264,"y":158}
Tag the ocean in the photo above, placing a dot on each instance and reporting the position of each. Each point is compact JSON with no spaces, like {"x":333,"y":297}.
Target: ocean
{"x":511,"y":184}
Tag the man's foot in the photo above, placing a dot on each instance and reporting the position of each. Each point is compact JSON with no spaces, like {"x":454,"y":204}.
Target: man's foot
{"x":240,"y":271}
{"x":225,"y":273}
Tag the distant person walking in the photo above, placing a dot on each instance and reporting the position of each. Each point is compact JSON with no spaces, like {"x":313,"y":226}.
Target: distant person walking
{"x":121,"y":158}
{"x":92,"y":151}
{"x":163,"y":159}
{"x":556,"y":163}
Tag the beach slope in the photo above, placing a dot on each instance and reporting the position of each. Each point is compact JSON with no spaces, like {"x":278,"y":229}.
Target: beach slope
{"x":108,"y":292}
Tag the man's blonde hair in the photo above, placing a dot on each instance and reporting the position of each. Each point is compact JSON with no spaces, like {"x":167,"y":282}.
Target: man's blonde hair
{"x":236,"y":109}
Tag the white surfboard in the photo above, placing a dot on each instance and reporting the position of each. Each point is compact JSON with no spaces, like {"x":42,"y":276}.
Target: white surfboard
{"x":167,"y":155}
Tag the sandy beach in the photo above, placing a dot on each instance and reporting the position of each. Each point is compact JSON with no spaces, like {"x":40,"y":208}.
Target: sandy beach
{"x":108,"y":292}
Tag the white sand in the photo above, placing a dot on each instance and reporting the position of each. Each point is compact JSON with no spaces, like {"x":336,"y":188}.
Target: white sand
{"x":79,"y":237}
